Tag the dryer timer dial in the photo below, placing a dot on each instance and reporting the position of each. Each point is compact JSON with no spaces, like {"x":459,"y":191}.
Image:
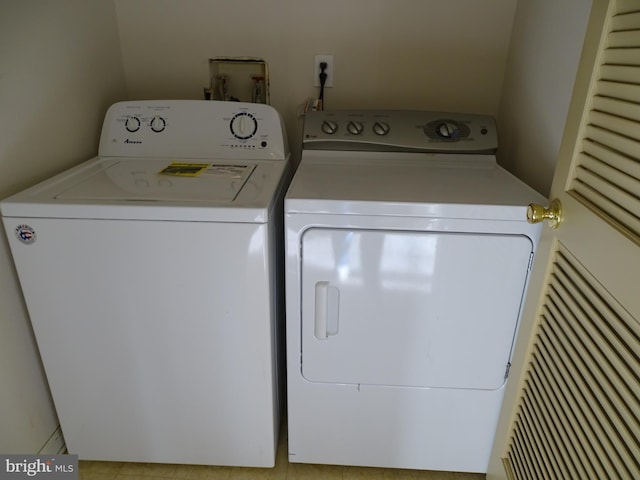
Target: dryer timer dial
{"x":446,"y":130}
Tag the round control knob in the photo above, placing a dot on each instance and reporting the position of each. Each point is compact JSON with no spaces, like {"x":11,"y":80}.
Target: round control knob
{"x":158,"y":124}
{"x":447,"y":130}
{"x":244,"y":125}
{"x":355,"y":128}
{"x":329,"y":127}
{"x":132,"y":124}
{"x":381,"y":128}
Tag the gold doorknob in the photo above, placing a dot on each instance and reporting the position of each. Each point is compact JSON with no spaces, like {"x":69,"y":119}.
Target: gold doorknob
{"x":553,"y":213}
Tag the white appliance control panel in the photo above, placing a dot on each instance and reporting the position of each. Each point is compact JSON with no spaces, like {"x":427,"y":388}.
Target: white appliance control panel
{"x":399,"y":130}
{"x":193,"y":129}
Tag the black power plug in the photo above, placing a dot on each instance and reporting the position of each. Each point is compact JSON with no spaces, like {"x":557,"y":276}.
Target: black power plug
{"x":323,"y":80}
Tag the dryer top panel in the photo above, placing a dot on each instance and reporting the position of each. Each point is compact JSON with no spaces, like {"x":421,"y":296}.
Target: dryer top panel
{"x":399,"y":130}
{"x":407,"y":184}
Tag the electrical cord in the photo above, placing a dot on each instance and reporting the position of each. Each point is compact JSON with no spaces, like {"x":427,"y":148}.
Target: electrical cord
{"x":323,"y":79}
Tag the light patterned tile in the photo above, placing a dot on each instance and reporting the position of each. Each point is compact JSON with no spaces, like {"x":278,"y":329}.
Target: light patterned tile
{"x":403,"y":474}
{"x":469,"y":476}
{"x":306,"y":471}
{"x":92,"y":470}
{"x":140,"y":477}
{"x":437,"y":475}
{"x":90,"y":466}
{"x":160,"y":470}
{"x":366,"y":473}
{"x":97,"y":476}
{"x":246,"y":473}
{"x":202,"y":472}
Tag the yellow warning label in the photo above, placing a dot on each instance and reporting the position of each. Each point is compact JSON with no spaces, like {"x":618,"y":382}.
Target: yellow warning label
{"x":184,"y":169}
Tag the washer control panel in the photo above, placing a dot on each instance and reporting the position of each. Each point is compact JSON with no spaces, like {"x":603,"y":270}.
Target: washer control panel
{"x":399,"y":130}
{"x":193,"y":129}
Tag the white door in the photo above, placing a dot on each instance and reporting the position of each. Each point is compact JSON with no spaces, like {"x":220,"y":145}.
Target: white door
{"x":571,"y":406}
{"x":405,"y":308}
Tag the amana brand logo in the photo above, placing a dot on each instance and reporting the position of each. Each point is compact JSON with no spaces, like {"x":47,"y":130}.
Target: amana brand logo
{"x":132,"y":141}
{"x":25,"y":234}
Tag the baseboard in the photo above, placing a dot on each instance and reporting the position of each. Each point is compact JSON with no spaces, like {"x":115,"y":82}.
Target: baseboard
{"x":55,"y":445}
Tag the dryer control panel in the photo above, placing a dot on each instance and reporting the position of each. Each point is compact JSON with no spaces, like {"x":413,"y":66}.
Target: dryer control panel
{"x":193,"y":129}
{"x":399,"y":130}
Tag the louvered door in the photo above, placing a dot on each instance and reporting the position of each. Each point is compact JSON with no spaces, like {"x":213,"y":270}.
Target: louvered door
{"x":572,"y":408}
{"x":608,"y":167}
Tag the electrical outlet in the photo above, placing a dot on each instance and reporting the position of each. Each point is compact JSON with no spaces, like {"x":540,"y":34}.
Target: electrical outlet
{"x":317,"y":60}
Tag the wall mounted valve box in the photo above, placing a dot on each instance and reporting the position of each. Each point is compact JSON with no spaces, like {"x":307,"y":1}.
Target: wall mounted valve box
{"x":242,"y":79}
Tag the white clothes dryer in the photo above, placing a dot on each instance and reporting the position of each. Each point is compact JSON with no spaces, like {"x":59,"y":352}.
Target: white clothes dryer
{"x":153,"y":278}
{"x":407,"y":260}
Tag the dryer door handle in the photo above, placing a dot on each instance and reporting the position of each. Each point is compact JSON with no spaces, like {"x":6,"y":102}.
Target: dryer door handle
{"x":327,"y":304}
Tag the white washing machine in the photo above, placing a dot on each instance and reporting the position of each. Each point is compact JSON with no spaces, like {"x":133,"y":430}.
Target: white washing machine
{"x":153,"y":276}
{"x":407,"y":260}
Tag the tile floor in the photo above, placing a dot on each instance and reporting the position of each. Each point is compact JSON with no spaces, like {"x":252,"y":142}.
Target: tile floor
{"x":283,"y":470}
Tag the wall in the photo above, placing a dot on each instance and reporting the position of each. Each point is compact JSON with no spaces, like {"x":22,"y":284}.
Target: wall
{"x":541,"y":68}
{"x":388,"y":53}
{"x":60,"y":68}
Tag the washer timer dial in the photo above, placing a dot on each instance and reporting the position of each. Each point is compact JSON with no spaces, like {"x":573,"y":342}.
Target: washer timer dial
{"x":243,"y":125}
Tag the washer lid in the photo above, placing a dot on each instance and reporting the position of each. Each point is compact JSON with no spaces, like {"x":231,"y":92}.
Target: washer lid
{"x":155,"y":189}
{"x":162,"y":180}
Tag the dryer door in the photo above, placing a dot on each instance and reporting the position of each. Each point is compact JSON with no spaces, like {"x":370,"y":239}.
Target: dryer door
{"x":423,"y":309}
